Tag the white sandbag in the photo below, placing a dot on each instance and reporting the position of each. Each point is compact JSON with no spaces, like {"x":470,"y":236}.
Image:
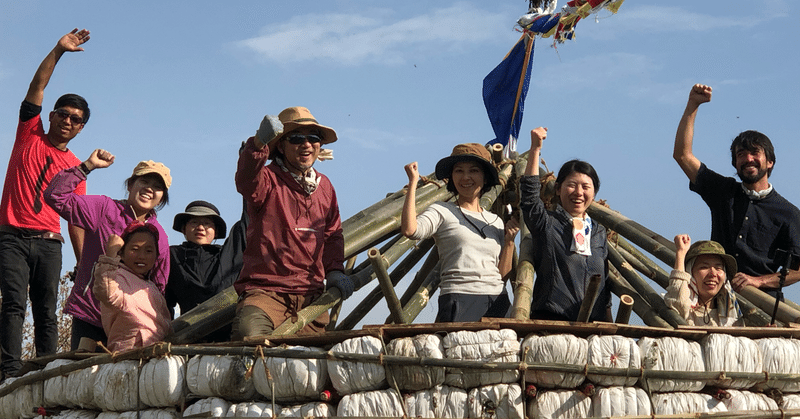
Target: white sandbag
{"x":220,"y":376}
{"x":213,"y":407}
{"x":75,"y":414}
{"x":790,"y":402}
{"x":294,"y":380}
{"x":499,"y":401}
{"x":116,"y":386}
{"x":351,"y":377}
{"x":411,"y":377}
{"x":682,"y":403}
{"x":614,"y":352}
{"x":560,"y":404}
{"x":162,"y":381}
{"x":732,"y":354}
{"x":671,"y":354}
{"x":142,"y":414}
{"x":251,"y":410}
{"x":80,"y":387}
{"x":620,"y":401}
{"x":309,"y":410}
{"x":21,"y":402}
{"x":555,"y":349}
{"x":55,"y":389}
{"x":780,"y":356}
{"x":486,"y":346}
{"x":743,"y":401}
{"x":438,"y":402}
{"x":380,"y":403}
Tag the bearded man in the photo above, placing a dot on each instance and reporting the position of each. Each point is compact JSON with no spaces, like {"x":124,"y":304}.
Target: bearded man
{"x":749,"y":218}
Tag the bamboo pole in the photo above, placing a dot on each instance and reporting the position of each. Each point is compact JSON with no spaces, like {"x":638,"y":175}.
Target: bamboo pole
{"x":214,"y":313}
{"x":661,"y":248}
{"x":372,"y":299}
{"x":766,"y":302}
{"x":643,"y":288}
{"x":625,"y":308}
{"x":650,"y":317}
{"x":523,"y":286}
{"x":589,"y":298}
{"x":379,"y":265}
{"x":422,"y":273}
{"x":423,"y":294}
{"x":497,"y":153}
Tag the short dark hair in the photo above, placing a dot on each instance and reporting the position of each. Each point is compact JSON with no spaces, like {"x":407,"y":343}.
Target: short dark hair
{"x":74,"y":101}
{"x":752,"y":141}
{"x":164,"y":198}
{"x":579,"y":166}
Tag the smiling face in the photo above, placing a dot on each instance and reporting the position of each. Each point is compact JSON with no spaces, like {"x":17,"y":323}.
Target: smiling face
{"x":708,"y":272}
{"x":62,"y":127}
{"x":468,"y":178}
{"x":200,"y":230}
{"x":576,"y":193}
{"x":299,"y":157}
{"x":752,"y":166}
{"x":139,"y":253}
{"x":145,"y":193}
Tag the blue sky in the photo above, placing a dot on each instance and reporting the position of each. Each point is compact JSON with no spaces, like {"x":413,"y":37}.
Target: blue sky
{"x":185,"y":82}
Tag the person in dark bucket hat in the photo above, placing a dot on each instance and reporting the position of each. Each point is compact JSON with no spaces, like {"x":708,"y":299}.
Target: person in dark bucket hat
{"x":200,"y":209}
{"x":475,"y":246}
{"x":200,"y":269}
{"x":699,"y":285}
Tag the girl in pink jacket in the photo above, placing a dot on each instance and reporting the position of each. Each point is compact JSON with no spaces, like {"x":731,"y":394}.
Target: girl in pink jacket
{"x":133,"y":311}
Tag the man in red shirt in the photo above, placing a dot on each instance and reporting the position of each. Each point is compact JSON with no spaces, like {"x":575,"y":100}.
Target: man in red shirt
{"x":30,"y":239}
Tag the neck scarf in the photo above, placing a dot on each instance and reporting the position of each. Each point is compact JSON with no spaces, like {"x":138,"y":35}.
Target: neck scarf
{"x":582,"y":236}
{"x":756,"y":195}
{"x":308,"y":182}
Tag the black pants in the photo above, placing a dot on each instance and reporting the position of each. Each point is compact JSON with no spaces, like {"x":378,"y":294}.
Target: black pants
{"x":470,"y":308}
{"x":82,"y":329}
{"x":35,"y":264}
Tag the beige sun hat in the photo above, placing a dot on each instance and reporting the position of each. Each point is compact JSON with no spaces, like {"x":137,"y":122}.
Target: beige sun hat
{"x":149,"y":166}
{"x":710,"y":247}
{"x":297,"y":117}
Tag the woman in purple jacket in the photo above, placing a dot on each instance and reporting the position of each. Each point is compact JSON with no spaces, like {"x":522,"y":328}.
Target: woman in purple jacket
{"x":100,"y":217}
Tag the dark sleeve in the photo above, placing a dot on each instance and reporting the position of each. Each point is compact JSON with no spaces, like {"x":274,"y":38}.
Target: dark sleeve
{"x":28,"y":110}
{"x":533,"y":210}
{"x":710,"y":183}
{"x":172,"y":283}
{"x":232,"y":250}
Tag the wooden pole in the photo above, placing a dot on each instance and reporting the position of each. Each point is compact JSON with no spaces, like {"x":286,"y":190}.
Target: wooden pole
{"x":650,"y":317}
{"x":643,"y":288}
{"x":523,"y":286}
{"x":386,"y":285}
{"x":589,"y":298}
{"x":661,"y":248}
{"x":497,"y":153}
{"x":625,"y":308}
{"x":423,"y":294}
{"x":214,"y":313}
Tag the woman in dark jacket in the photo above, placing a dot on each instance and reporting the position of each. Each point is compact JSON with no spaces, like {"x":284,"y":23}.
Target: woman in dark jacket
{"x":200,"y":269}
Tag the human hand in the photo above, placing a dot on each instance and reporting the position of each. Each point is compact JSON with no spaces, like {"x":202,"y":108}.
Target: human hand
{"x":337,"y":279}
{"x":537,"y":137}
{"x":741,"y":280}
{"x":73,"y":40}
{"x":682,"y":243}
{"x":700,"y":93}
{"x":512,"y":228}
{"x":114,"y":245}
{"x":412,"y":171}
{"x":99,"y":159}
{"x":270,"y":128}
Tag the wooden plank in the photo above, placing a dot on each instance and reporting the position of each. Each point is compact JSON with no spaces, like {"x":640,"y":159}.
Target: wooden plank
{"x":748,"y":332}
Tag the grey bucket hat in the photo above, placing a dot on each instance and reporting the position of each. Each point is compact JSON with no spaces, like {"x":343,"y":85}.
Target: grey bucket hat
{"x":201,"y":209}
{"x":710,"y":247}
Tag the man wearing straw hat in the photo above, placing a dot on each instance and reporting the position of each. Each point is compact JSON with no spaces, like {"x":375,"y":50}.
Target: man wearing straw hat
{"x":749,"y":218}
{"x":294,"y":240}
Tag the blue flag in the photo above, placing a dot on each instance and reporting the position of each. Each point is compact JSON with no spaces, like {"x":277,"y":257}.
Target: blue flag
{"x":504,"y":91}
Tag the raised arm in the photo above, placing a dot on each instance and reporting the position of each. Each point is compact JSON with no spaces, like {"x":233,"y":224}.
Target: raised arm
{"x":408,"y":219}
{"x":69,"y":42}
{"x":682,"y":153}
{"x":537,"y":137}
{"x":682,"y":243}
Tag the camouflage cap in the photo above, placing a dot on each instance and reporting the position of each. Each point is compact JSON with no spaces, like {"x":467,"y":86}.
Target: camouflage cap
{"x":710,"y":247}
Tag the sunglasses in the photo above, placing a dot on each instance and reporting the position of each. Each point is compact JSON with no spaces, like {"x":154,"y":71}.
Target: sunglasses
{"x":298,"y":139}
{"x":64,"y":114}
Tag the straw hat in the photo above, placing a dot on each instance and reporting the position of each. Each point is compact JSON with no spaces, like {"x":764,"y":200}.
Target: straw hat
{"x":473,"y":152}
{"x":201,"y":209}
{"x":297,"y":117}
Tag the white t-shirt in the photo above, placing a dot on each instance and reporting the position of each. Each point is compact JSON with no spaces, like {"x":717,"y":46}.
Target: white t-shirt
{"x":469,"y":262}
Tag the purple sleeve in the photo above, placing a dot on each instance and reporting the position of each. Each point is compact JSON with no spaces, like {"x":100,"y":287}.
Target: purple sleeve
{"x":161,"y":268}
{"x":84,"y":211}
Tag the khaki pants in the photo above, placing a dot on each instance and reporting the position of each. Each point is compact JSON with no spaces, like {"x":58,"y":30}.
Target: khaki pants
{"x":260,"y":312}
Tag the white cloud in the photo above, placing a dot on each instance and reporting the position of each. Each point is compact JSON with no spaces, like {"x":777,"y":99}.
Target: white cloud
{"x":350,"y":39}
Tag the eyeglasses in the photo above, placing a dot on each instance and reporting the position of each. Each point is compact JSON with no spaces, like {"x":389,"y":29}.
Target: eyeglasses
{"x":64,"y":114}
{"x":298,"y":139}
